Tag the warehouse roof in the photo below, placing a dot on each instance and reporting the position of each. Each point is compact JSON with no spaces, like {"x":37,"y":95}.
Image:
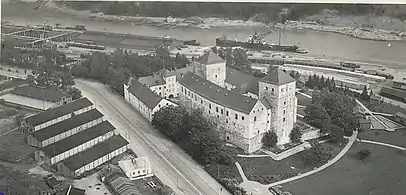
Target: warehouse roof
{"x":68,"y":124}
{"x":57,"y":112}
{"x":218,"y":94}
{"x":83,"y":158}
{"x":47,"y":94}
{"x":277,"y":77}
{"x":144,"y":94}
{"x":78,"y":139}
{"x":121,"y":184}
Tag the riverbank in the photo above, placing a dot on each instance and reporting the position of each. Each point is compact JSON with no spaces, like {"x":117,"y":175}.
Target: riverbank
{"x":356,"y":32}
{"x":365,"y":33}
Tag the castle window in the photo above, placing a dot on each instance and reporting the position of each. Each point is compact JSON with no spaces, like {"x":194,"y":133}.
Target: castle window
{"x":282,"y":90}
{"x":221,"y":111}
{"x":215,"y":76}
{"x":217,"y":109}
{"x":201,"y":101}
{"x":255,"y":118}
{"x":209,"y":111}
{"x":266,"y":88}
{"x":273,"y":90}
{"x":159,"y":87}
{"x":262,"y":108}
{"x":227,"y":121}
{"x":236,"y":116}
{"x":209,"y":106}
{"x":284,"y":119}
{"x":267,"y":122}
{"x":188,"y":93}
{"x":242,"y":117}
{"x":284,"y":102}
{"x":258,"y":131}
{"x":192,"y":95}
{"x":218,"y":116}
{"x":284,"y":111}
{"x":226,"y":112}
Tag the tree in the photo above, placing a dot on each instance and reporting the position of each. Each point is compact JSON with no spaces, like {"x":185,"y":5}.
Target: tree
{"x":170,"y":121}
{"x":165,"y":190}
{"x":336,"y":133}
{"x":364,"y":95}
{"x":322,"y":83}
{"x":19,"y":118}
{"x":364,"y":154}
{"x":317,"y":155}
{"x":296,"y":134}
{"x":310,"y":82}
{"x":207,"y":145}
{"x":75,"y":93}
{"x":317,"y":116}
{"x":270,"y":139}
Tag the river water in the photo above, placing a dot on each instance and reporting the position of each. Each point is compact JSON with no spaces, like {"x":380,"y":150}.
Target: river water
{"x":329,"y":45}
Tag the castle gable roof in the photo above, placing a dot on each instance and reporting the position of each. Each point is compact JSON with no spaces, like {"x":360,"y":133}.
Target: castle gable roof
{"x":217,"y":94}
{"x":210,"y":58}
{"x":277,"y":77}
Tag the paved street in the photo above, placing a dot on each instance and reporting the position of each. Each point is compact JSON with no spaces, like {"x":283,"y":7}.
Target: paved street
{"x":169,"y":162}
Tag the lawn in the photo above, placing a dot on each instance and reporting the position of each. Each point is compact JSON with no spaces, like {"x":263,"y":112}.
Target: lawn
{"x":266,"y":170}
{"x":20,"y":182}
{"x":380,"y":174}
{"x":396,"y":138}
{"x":383,"y":107}
{"x":14,"y":149}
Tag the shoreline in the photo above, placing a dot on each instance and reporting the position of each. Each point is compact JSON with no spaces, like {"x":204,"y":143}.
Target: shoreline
{"x":372,"y":34}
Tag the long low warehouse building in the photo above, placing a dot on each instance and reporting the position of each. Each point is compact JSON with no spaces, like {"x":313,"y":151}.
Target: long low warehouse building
{"x":64,"y":129}
{"x":93,"y":157}
{"x":74,"y":144}
{"x":56,"y":115}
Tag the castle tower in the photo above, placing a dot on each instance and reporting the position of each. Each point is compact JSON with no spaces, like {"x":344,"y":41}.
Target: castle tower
{"x":280,"y":88}
{"x":212,"y":67}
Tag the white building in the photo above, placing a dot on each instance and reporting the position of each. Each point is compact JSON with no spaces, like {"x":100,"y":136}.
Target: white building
{"x":74,"y":144}
{"x":93,"y":157}
{"x":242,"y":106}
{"x":58,"y":114}
{"x":136,"y":168}
{"x":64,"y":129}
{"x":144,"y":100}
{"x":36,"y":98}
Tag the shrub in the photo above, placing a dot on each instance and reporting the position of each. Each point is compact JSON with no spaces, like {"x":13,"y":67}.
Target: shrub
{"x":316,"y":156}
{"x":364,"y":154}
{"x":296,"y":134}
{"x":270,"y":139}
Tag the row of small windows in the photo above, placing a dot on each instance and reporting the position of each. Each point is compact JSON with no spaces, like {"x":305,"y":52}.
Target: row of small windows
{"x":273,"y":90}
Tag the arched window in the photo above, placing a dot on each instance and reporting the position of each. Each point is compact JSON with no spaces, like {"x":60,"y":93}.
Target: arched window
{"x":255,"y":118}
{"x":266,"y":88}
{"x":273,"y":90}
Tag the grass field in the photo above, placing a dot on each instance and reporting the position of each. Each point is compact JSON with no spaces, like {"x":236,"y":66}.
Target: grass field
{"x":266,"y":170}
{"x":13,"y":148}
{"x":380,"y":174}
{"x":396,"y":138}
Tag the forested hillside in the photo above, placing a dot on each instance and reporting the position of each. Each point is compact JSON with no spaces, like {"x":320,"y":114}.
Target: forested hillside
{"x":257,"y":11}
